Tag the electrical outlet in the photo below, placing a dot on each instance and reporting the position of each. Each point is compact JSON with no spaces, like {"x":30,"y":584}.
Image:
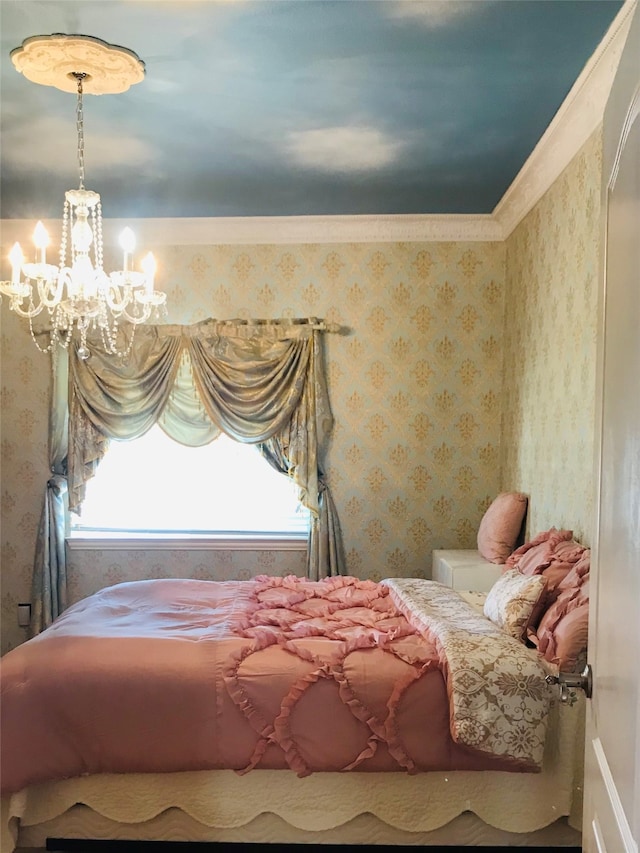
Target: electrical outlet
{"x":24,"y":615}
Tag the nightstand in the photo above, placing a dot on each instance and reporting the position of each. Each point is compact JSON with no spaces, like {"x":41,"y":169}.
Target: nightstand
{"x":464,"y":569}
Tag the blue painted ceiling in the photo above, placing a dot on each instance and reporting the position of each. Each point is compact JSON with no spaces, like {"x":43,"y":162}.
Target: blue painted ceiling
{"x":295,"y":107}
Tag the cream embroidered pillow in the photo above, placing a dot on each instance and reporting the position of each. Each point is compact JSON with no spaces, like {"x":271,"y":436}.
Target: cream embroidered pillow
{"x":515,"y":601}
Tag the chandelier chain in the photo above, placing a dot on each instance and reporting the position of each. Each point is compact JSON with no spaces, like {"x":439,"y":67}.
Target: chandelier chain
{"x":96,"y":216}
{"x":65,"y":228}
{"x":80,"y":127}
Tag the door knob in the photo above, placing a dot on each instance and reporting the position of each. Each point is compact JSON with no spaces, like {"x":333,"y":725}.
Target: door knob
{"x":572,"y":680}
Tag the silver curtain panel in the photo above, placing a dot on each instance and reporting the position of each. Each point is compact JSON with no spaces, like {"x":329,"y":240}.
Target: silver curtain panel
{"x":49,"y":584}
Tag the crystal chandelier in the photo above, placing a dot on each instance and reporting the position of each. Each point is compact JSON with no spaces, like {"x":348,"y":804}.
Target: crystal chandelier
{"x":77,"y":294}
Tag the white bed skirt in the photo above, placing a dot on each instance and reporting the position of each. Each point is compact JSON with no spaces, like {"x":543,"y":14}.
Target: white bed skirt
{"x":467,"y":830}
{"x":276,"y":805}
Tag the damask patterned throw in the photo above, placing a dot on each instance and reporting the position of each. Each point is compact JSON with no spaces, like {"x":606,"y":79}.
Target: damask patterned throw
{"x":498,"y":696}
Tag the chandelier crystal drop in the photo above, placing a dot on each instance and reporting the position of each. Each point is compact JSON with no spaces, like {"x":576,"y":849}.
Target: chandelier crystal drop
{"x":77,"y":294}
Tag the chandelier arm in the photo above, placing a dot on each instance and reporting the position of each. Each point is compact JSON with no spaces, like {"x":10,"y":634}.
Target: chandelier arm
{"x":136,"y":319}
{"x":45,"y":284}
{"x":27,"y":313}
{"x":15,"y":290}
{"x":117,"y":298}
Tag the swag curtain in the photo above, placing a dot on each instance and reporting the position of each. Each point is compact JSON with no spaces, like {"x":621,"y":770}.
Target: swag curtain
{"x":261,"y":382}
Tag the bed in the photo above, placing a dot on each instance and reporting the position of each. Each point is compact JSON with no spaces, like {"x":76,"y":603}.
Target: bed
{"x":288,"y":710}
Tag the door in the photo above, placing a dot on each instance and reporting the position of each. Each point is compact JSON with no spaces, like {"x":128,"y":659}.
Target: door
{"x":612,"y":776}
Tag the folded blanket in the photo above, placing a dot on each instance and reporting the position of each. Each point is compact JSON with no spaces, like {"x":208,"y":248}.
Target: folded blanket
{"x":499,"y":699}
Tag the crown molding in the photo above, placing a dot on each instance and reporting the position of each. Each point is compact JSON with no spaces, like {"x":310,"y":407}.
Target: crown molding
{"x":324,"y":229}
{"x":578,"y":117}
{"x":282,"y":230}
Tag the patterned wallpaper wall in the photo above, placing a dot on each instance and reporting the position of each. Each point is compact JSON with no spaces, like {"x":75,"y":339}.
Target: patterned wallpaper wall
{"x":550,"y":349}
{"x":415,"y":385}
{"x":24,"y":404}
{"x":447,"y":344}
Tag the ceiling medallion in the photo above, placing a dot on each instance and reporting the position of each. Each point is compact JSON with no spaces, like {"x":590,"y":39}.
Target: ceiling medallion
{"x":54,"y":60}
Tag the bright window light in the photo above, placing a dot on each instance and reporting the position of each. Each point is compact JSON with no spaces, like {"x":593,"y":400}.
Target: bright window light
{"x":155,"y":485}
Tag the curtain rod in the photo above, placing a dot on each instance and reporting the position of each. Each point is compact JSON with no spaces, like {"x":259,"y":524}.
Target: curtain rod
{"x":312,"y":322}
{"x":331,"y":328}
{"x":316,"y":325}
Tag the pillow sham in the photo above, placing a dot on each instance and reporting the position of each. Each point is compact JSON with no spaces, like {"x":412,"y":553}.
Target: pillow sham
{"x":578,"y":576}
{"x":561,"y":637}
{"x":535,"y":555}
{"x":515,"y":601}
{"x":552,"y":554}
{"x":501,"y":525}
{"x":570,"y":638}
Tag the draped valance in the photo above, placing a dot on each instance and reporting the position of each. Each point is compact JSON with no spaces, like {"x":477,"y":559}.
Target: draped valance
{"x":261,"y":382}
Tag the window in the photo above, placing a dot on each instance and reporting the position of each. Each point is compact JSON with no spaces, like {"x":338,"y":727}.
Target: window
{"x":154,"y":486}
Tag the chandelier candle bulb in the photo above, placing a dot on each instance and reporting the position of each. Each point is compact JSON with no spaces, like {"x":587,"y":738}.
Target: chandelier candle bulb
{"x":148,"y":265}
{"x":128,"y":244}
{"x":17,"y":259}
{"x":41,"y":241}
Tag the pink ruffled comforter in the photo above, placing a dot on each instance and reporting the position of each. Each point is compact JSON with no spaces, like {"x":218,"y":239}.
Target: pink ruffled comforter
{"x":173,"y":675}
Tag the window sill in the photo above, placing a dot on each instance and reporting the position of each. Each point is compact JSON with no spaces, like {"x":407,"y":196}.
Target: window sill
{"x":101,"y":541}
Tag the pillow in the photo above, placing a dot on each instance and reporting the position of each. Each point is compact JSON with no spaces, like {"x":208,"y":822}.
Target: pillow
{"x":534,"y":561}
{"x":501,"y":525}
{"x":534,"y":556}
{"x":566,"y":556}
{"x":554,"y":575}
{"x":562,"y":635}
{"x":514,"y":602}
{"x":578,"y":576}
{"x":568,"y":552}
{"x":570,"y":637}
{"x":552,"y":554}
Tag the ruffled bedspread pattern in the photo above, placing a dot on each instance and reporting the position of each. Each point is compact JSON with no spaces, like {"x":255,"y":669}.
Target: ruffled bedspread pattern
{"x":272,"y":673}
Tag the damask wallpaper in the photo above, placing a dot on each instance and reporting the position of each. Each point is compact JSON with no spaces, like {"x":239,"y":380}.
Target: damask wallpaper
{"x":415,"y":385}
{"x":552,"y":266}
{"x":444,"y":346}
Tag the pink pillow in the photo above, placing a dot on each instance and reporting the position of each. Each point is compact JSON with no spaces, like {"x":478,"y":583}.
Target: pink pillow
{"x":564,"y":642}
{"x":534,"y":561}
{"x":566,"y":557}
{"x":534,"y":556}
{"x":578,"y":576}
{"x":561,"y":636}
{"x":554,"y":575}
{"x":571,"y":636}
{"x":501,"y":525}
{"x":568,"y":552}
{"x":567,"y":585}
